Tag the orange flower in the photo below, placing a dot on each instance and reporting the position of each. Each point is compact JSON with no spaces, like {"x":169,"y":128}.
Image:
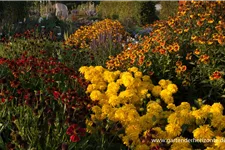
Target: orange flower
{"x":162,"y":51}
{"x":189,"y":56}
{"x":178,"y":70}
{"x":169,"y":48}
{"x":178,"y":63}
{"x":218,"y":28}
{"x":197,"y":52}
{"x":210,"y":42}
{"x":176,"y":47}
{"x":162,"y":43}
{"x":210,"y":20}
{"x":186,"y":29}
{"x":221,"y":40}
{"x":193,"y":37}
{"x":204,"y":58}
{"x":199,"y":23}
{"x":183,"y":68}
{"x":216,"y":75}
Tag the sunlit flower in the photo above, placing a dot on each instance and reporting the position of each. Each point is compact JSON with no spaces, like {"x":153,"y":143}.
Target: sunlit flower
{"x":203,"y":132}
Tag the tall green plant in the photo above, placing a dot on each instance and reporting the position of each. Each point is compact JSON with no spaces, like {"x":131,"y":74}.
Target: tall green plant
{"x":169,"y":8}
{"x":128,"y":13}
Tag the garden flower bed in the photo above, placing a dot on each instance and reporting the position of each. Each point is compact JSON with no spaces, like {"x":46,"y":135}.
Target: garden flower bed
{"x":96,"y":91}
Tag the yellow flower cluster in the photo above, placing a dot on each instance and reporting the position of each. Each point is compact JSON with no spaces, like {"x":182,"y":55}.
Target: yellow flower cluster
{"x":130,"y":98}
{"x":86,"y":34}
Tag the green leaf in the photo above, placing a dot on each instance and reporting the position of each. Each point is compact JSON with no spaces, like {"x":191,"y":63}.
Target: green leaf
{"x":184,"y":128}
{"x":154,"y":118}
{"x":71,"y":146}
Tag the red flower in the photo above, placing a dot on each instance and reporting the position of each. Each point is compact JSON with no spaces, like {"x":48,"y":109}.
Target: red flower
{"x":2,"y":61}
{"x":56,"y":94}
{"x":75,"y":131}
{"x":3,"y":100}
{"x":216,"y":75}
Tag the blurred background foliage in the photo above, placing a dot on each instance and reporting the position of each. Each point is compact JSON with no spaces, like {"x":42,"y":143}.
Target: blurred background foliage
{"x":126,"y":12}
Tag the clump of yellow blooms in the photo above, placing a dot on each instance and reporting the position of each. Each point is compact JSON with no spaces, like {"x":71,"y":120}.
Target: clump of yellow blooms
{"x":86,"y":34}
{"x":129,"y":98}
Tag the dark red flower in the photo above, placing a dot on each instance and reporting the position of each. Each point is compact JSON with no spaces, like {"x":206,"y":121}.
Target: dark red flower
{"x":56,"y":94}
{"x":74,"y":138}
{"x":75,"y":131}
{"x":3,"y":100}
{"x":2,"y":61}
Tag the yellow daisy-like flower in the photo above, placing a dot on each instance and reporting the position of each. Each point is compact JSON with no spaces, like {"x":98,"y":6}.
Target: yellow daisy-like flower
{"x":106,"y":109}
{"x":109,"y":76}
{"x":181,"y":143}
{"x":83,"y":69}
{"x":128,"y":80}
{"x":153,"y":106}
{"x":176,"y":118}
{"x":164,"y":83}
{"x":217,"y":121}
{"x":171,"y":106}
{"x":117,"y":73}
{"x":210,"y":148}
{"x":95,"y":95}
{"x":120,"y":114}
{"x":96,"y":109}
{"x":146,"y":121}
{"x":101,"y":86}
{"x":133,"y":69}
{"x":173,"y":130}
{"x":133,"y":116}
{"x":172,"y":88}
{"x":133,"y":131}
{"x":90,"y":88}
{"x":142,"y":92}
{"x":159,"y":133}
{"x":220,"y":143}
{"x":114,"y":100}
{"x":203,"y":132}
{"x":99,"y":69}
{"x":156,"y":90}
{"x":206,"y":108}
{"x":146,"y":78}
{"x":113,"y":87}
{"x":142,"y":147}
{"x":183,"y":105}
{"x":216,"y":109}
{"x":138,"y":74}
{"x":166,"y":95}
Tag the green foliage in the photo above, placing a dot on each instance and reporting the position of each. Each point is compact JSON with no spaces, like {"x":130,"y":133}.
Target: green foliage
{"x":14,"y":11}
{"x":127,"y":11}
{"x":148,"y":13}
{"x":169,"y":8}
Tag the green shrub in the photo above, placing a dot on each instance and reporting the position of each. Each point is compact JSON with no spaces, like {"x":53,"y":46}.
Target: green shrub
{"x":169,"y":8}
{"x":125,"y":10}
{"x":148,"y":13}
